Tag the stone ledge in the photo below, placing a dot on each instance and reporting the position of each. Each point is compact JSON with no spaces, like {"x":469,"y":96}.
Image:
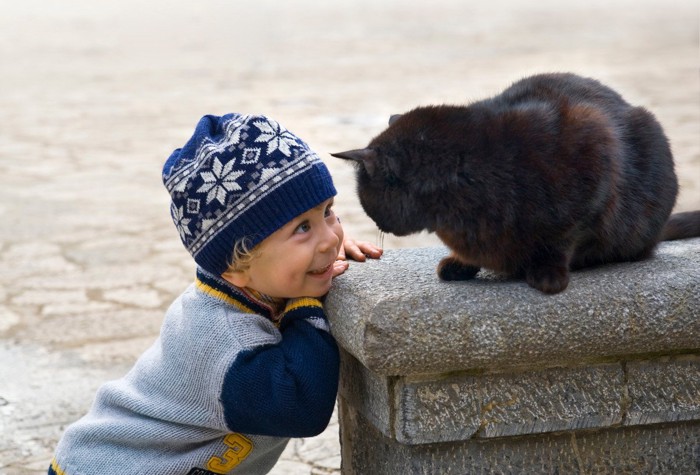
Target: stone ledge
{"x":397,"y":318}
{"x":447,"y":408}
{"x":663,"y":448}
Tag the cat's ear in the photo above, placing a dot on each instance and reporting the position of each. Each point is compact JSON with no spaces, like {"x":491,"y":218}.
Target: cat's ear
{"x":365,"y":156}
{"x":393,"y":118}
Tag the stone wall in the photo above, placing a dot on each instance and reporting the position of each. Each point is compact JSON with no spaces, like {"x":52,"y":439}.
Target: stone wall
{"x":492,"y":376}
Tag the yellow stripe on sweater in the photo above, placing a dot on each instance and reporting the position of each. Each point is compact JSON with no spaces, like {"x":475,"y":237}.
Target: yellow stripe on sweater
{"x":209,"y":290}
{"x":56,"y":468}
{"x":303,"y":302}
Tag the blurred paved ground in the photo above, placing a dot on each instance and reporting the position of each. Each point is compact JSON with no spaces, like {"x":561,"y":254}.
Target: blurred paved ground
{"x":95,"y":95}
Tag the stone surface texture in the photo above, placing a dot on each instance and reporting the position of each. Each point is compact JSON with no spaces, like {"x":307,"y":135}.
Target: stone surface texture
{"x":397,"y":317}
{"x":655,"y":449}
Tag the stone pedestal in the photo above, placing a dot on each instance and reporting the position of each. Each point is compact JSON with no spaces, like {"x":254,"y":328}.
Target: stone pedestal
{"x":492,"y":376}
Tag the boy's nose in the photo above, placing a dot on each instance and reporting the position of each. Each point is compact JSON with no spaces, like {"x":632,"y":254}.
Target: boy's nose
{"x":329,"y":240}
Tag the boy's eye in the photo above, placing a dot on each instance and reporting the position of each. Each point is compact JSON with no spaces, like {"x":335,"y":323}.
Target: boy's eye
{"x":329,"y":211}
{"x":303,"y":228}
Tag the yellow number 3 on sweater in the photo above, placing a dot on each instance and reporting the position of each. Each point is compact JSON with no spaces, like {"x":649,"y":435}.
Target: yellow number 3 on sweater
{"x":239,"y":448}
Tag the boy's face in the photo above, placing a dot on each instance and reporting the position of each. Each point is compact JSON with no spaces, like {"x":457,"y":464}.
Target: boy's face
{"x":297,"y":259}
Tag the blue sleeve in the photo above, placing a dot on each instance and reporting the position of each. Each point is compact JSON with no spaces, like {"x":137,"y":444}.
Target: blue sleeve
{"x":287,"y":389}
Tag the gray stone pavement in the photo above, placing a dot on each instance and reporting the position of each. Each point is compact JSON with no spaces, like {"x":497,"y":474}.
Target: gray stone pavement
{"x":95,"y":95}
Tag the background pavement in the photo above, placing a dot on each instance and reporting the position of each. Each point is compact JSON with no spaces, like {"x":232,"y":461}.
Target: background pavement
{"x":95,"y":95}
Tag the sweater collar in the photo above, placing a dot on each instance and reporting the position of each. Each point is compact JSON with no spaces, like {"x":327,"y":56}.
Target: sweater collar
{"x":245,"y":300}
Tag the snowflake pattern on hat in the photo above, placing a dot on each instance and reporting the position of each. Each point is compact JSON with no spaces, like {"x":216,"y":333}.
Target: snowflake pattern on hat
{"x":230,"y":165}
{"x":219,"y":180}
{"x":275,"y":136}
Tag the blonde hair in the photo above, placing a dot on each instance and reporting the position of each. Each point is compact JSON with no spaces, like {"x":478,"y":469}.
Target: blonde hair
{"x":242,"y":255}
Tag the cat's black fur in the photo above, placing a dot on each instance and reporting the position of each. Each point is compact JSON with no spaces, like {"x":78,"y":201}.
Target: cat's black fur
{"x":558,"y":172}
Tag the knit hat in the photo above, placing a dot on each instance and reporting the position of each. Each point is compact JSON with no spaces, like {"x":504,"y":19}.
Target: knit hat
{"x":240,"y":176}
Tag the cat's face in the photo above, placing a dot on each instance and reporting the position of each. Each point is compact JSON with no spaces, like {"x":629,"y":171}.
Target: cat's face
{"x":386,"y":190}
{"x":391,"y":177}
{"x":417,"y":168}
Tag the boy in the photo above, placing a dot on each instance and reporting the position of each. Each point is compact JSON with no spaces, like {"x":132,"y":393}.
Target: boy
{"x":244,"y":360}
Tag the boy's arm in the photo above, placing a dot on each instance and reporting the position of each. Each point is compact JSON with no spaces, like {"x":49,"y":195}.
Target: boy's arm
{"x":287,"y":389}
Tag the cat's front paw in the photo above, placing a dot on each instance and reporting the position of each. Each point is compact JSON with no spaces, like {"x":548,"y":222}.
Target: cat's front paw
{"x":550,"y":280}
{"x":452,"y":269}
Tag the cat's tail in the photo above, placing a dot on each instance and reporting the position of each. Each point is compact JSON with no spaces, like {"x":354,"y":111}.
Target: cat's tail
{"x":682,"y":226}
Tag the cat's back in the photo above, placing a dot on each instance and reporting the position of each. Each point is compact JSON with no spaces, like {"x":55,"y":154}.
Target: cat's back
{"x":623,"y":186}
{"x":559,"y":88}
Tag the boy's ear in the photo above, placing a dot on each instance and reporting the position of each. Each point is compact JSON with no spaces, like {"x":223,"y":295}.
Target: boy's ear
{"x":239,"y":278}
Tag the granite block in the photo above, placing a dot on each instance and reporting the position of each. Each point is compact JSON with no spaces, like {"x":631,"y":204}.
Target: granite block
{"x":663,"y":390}
{"x":663,"y":449}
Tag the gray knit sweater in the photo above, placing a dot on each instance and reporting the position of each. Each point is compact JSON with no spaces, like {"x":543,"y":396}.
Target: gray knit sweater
{"x":222,"y":390}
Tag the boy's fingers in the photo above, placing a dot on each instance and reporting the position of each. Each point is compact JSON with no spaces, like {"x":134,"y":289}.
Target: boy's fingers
{"x":356,"y":252}
{"x":369,"y":249}
{"x":339,"y":267}
{"x":359,"y":250}
{"x":373,"y":251}
{"x":350,"y":249}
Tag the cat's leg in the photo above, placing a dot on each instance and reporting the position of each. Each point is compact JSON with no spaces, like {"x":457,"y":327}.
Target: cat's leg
{"x":548,"y":271}
{"x":450,"y":268}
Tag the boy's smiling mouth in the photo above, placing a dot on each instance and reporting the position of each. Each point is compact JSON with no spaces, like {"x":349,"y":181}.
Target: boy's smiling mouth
{"x":322,"y":270}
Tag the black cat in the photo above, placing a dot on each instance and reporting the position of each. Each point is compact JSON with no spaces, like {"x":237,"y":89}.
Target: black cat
{"x":558,"y":172}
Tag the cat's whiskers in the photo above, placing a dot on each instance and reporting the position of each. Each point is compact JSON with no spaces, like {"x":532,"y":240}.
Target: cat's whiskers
{"x":380,"y":238}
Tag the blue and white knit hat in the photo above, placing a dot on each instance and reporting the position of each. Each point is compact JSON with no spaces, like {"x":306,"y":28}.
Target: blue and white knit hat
{"x":240,"y":176}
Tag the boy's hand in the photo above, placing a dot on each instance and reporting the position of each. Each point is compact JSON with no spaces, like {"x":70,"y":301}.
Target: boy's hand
{"x":356,"y":250}
{"x":359,"y":250}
